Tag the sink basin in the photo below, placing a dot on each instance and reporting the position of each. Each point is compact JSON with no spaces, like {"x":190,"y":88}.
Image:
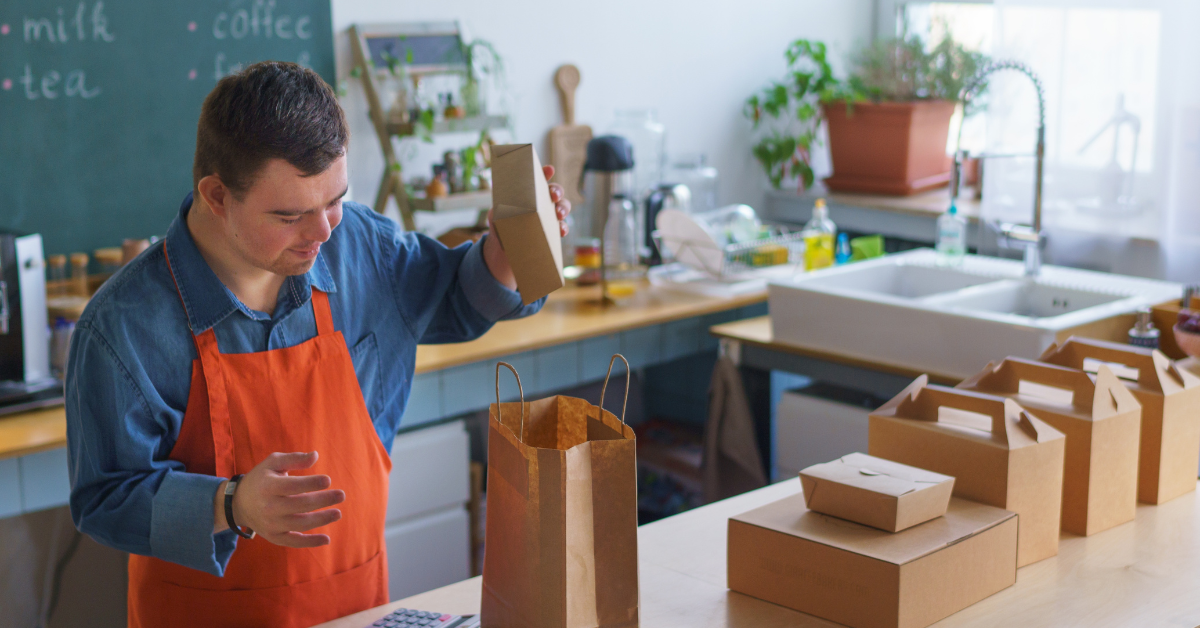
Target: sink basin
{"x":899,"y":280}
{"x":906,"y":310}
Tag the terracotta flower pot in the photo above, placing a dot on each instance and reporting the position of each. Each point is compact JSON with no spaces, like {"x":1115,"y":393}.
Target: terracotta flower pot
{"x":896,"y":148}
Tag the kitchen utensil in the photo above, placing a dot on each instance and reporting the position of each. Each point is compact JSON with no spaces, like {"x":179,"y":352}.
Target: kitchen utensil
{"x":607,"y":172}
{"x":667,"y":196}
{"x":568,"y":141}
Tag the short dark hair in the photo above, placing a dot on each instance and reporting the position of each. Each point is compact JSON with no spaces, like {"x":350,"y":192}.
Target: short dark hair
{"x":268,"y":110}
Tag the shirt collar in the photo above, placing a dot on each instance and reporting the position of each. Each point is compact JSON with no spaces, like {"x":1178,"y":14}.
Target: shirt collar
{"x":207,"y":300}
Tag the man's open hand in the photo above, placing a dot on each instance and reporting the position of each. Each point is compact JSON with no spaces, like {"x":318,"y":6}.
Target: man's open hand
{"x":281,"y":507}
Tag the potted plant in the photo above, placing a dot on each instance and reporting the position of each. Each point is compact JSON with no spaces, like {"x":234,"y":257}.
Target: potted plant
{"x":888,"y":122}
{"x":481,"y":60}
{"x":890,"y":138}
{"x":787,"y":114}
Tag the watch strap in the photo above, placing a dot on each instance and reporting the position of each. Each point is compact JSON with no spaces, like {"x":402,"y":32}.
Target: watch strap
{"x":230,"y":489}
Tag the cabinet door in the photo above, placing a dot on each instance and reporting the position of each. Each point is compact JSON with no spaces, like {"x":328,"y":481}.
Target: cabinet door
{"x":428,"y":552}
{"x":430,"y":471}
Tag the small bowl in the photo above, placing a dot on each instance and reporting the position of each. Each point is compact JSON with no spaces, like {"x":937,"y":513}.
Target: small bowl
{"x":1188,"y":341}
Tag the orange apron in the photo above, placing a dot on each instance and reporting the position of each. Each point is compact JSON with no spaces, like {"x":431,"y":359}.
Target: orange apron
{"x":241,"y":408}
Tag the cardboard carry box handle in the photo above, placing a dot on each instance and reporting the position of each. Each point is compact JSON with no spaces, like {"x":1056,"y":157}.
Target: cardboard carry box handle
{"x":1155,"y":370}
{"x":1105,"y":397}
{"x":921,"y":401}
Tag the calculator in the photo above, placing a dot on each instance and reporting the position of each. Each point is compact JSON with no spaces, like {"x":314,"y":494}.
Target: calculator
{"x":410,"y":618}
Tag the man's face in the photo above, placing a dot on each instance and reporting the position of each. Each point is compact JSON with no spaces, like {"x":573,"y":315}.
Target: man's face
{"x":280,"y":223}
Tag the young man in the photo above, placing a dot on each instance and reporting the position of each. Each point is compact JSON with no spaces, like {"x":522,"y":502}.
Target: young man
{"x":234,"y":391}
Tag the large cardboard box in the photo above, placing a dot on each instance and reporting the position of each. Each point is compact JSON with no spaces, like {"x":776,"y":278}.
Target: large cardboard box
{"x":525,"y":220}
{"x":997,"y":453}
{"x":868,"y":578}
{"x":876,"y":492}
{"x":1170,"y":398}
{"x":1102,"y":422}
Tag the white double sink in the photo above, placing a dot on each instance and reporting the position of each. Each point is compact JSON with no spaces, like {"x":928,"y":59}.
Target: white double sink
{"x":906,"y":310}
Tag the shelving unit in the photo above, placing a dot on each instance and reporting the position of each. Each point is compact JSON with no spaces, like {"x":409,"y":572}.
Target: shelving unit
{"x":391,"y":183}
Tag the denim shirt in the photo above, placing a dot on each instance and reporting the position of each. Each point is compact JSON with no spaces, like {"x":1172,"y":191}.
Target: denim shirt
{"x":130,"y":365}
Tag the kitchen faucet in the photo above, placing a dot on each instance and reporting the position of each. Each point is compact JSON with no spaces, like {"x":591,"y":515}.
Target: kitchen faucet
{"x":1028,"y":237}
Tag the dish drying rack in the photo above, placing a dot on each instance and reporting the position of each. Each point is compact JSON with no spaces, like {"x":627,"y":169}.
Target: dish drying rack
{"x":733,"y":261}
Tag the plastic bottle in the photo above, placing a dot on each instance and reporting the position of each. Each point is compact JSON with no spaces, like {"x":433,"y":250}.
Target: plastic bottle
{"x":1144,"y":333}
{"x":818,"y":238}
{"x":951,"y":238}
{"x":843,"y":253}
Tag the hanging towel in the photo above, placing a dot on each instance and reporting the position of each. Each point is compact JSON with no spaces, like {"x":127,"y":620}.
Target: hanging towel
{"x":732,"y":462}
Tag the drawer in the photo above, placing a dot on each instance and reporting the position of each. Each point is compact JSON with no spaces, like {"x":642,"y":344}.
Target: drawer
{"x":428,"y":552}
{"x":430,"y":469}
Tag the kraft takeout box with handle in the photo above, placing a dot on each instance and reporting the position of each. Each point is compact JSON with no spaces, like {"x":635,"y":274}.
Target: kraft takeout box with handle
{"x":876,"y":492}
{"x":1102,"y":422}
{"x":526,"y":221}
{"x":997,"y":453}
{"x":1170,"y":398}
{"x":869,"y":578}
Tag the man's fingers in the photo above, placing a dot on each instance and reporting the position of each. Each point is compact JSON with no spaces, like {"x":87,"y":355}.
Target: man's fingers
{"x":296,"y":539}
{"x":309,"y":502}
{"x":556,"y":192}
{"x":309,"y":520}
{"x":549,"y":171}
{"x":297,"y":484}
{"x":291,"y":462}
{"x":562,"y":208}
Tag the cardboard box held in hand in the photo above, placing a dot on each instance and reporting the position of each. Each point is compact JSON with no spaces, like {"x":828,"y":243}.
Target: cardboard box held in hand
{"x":997,"y":453}
{"x":876,"y":492}
{"x":525,"y":220}
{"x":869,"y":578}
{"x":561,"y":515}
{"x":1102,"y":423}
{"x":1170,"y":398}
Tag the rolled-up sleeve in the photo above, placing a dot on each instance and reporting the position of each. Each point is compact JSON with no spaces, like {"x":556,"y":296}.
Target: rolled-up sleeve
{"x":448,"y":295}
{"x":125,"y":492}
{"x":489,"y":297}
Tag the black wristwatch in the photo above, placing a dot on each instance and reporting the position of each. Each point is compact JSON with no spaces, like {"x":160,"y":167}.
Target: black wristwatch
{"x":230,"y":489}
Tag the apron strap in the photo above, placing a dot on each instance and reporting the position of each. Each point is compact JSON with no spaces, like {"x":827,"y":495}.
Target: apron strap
{"x":322,"y":313}
{"x":214,"y":380}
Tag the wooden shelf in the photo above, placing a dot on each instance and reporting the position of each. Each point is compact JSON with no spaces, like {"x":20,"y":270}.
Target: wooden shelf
{"x":463,"y":200}
{"x":458,"y":125}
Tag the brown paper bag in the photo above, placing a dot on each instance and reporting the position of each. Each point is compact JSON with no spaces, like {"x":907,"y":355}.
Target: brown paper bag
{"x":561,"y":514}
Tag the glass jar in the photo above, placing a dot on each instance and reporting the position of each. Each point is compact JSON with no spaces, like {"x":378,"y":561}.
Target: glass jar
{"x":648,"y":138}
{"x":621,"y":249}
{"x":700,"y":179}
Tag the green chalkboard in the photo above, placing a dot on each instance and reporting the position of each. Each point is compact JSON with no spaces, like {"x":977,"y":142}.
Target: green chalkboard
{"x":99,"y":102}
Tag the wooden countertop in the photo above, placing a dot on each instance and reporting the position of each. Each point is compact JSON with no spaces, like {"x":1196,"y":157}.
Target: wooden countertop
{"x":1142,"y":573}
{"x":570,"y":314}
{"x":758,"y":332}
{"x":574,"y":313}
{"x":34,"y":431}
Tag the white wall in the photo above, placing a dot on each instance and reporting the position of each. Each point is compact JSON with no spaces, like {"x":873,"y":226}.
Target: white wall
{"x":695,"y":62}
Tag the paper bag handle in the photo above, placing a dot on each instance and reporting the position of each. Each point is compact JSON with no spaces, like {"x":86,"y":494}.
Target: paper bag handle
{"x":519,"y":388}
{"x":604,"y":388}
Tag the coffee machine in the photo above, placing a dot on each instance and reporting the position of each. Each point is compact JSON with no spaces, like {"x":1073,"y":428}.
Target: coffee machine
{"x":25,"y":378}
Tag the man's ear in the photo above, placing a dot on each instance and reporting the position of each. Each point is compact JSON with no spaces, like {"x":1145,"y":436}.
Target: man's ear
{"x":215,"y":194}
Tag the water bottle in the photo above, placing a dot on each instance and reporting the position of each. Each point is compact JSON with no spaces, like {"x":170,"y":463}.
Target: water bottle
{"x":951,"y":238}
